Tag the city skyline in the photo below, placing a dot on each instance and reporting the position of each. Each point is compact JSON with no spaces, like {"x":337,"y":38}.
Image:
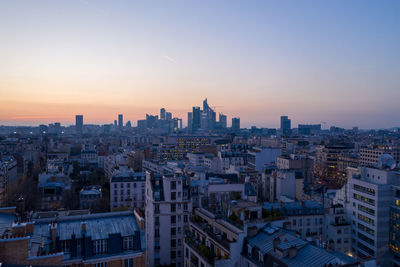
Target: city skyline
{"x":335,"y":62}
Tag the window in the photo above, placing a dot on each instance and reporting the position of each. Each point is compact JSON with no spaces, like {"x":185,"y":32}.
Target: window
{"x":129,"y":185}
{"x":173,"y":231}
{"x":156,"y":208}
{"x":366,"y":219}
{"x":185,"y":207}
{"x":100,"y":247}
{"x":115,"y":185}
{"x":173,"y":185}
{"x":173,"y":207}
{"x":366,"y":209}
{"x":173,"y":219}
{"x":173,"y":195}
{"x":128,"y":263}
{"x":101,"y":264}
{"x":173,"y":254}
{"x":157,"y":220}
{"x":128,"y":243}
{"x":157,"y":232}
{"x":173,"y":243}
{"x":364,"y":199}
{"x":134,"y":185}
{"x":185,"y":218}
{"x":122,"y":185}
{"x":363,"y":189}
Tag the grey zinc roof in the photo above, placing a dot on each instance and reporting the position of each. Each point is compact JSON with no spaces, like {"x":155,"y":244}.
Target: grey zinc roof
{"x":310,"y":256}
{"x":98,"y":226}
{"x":307,"y":255}
{"x":264,"y":241}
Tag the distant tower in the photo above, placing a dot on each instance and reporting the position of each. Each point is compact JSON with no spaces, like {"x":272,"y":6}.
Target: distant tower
{"x":168,"y":116}
{"x":206,"y":107}
{"x":162,"y":114}
{"x":285,"y":124}
{"x":120,"y":120}
{"x":190,"y":121}
{"x":236,"y":124}
{"x":79,"y":124}
{"x":196,"y":119}
{"x":222,"y":120}
{"x":115,"y":123}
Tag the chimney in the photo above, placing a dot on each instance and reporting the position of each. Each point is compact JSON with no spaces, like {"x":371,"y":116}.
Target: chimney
{"x":53,"y":233}
{"x":292,"y":252}
{"x":276,"y":242}
{"x":251,"y":231}
{"x":83,"y":225}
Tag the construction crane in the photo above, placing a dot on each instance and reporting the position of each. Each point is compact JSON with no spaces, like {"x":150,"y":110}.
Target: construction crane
{"x":214,"y":107}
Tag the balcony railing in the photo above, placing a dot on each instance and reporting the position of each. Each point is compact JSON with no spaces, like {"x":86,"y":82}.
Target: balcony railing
{"x":207,"y":229}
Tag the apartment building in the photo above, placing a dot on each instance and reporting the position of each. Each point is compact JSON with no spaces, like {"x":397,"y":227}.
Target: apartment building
{"x":168,"y":208}
{"x":212,"y":241}
{"x":127,"y":189}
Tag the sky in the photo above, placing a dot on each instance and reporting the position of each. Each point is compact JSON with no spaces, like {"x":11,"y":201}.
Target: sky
{"x":316,"y":61}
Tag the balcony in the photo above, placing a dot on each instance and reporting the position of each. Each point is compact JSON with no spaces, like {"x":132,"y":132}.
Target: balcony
{"x":207,"y":229}
{"x":205,"y":252}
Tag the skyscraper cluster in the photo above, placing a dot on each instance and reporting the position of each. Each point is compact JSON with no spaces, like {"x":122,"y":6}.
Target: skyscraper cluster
{"x":205,"y":119}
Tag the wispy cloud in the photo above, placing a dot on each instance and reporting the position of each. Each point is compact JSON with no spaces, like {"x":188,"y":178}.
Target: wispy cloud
{"x":169,"y":59}
{"x":92,"y":7}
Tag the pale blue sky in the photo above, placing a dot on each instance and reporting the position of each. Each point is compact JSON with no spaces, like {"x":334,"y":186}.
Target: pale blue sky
{"x":334,"y":61}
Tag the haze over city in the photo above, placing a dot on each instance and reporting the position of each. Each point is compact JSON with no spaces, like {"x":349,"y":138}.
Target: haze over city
{"x":336,"y":62}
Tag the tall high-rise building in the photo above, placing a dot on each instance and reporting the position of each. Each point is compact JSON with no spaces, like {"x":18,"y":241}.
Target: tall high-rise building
{"x":162,"y":114}
{"x":236,"y":124}
{"x":222,"y":120}
{"x":285,"y":124}
{"x":206,"y":107}
{"x":120,"y":120}
{"x":196,"y":119}
{"x":168,"y":116}
{"x":79,"y":123}
{"x":190,"y":121}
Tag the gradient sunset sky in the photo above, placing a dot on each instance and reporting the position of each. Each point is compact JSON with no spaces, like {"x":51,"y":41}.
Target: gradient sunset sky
{"x":315,"y":61}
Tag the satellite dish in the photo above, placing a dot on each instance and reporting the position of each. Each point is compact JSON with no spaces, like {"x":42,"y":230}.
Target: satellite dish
{"x":386,"y":161}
